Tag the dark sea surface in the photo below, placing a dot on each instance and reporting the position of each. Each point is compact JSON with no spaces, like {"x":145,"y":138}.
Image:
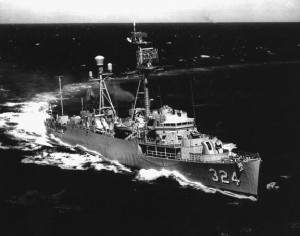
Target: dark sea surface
{"x":240,"y":81}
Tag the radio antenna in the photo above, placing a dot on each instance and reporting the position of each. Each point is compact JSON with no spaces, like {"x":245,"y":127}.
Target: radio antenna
{"x":192,"y":93}
{"x":61,"y":97}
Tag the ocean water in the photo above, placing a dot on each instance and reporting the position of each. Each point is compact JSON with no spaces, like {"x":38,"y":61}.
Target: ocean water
{"x":240,"y":81}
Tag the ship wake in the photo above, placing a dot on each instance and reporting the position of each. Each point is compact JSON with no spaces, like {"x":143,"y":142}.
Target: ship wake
{"x":73,"y":161}
{"x":23,"y":124}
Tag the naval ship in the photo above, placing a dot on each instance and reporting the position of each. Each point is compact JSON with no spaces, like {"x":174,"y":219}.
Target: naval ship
{"x":160,"y":139}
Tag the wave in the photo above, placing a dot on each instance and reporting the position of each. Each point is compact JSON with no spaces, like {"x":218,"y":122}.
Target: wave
{"x":152,"y":175}
{"x":74,"y":161}
{"x":26,"y":124}
{"x":4,"y":147}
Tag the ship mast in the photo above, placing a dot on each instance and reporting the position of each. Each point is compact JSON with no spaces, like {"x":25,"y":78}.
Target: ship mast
{"x":103,"y":91}
{"x":145,"y":56}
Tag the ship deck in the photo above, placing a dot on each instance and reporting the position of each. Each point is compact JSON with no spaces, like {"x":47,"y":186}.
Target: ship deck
{"x":155,"y":149}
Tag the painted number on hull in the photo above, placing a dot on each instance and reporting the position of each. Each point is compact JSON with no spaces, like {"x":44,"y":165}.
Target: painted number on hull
{"x":235,"y":179}
{"x":223,"y":176}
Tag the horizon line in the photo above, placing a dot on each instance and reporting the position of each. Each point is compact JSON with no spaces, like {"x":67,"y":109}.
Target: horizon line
{"x":179,"y":22}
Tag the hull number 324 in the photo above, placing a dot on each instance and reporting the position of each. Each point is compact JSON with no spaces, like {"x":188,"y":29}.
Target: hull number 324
{"x":223,"y":176}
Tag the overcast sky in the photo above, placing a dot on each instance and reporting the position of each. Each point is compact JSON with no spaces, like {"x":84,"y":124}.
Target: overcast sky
{"x":100,"y":11}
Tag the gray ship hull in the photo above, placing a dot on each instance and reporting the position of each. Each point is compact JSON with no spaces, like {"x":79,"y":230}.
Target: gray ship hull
{"x":219,"y":175}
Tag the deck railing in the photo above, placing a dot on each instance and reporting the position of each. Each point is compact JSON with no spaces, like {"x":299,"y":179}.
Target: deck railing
{"x":247,"y":155}
{"x":154,"y":142}
{"x":167,"y":155}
